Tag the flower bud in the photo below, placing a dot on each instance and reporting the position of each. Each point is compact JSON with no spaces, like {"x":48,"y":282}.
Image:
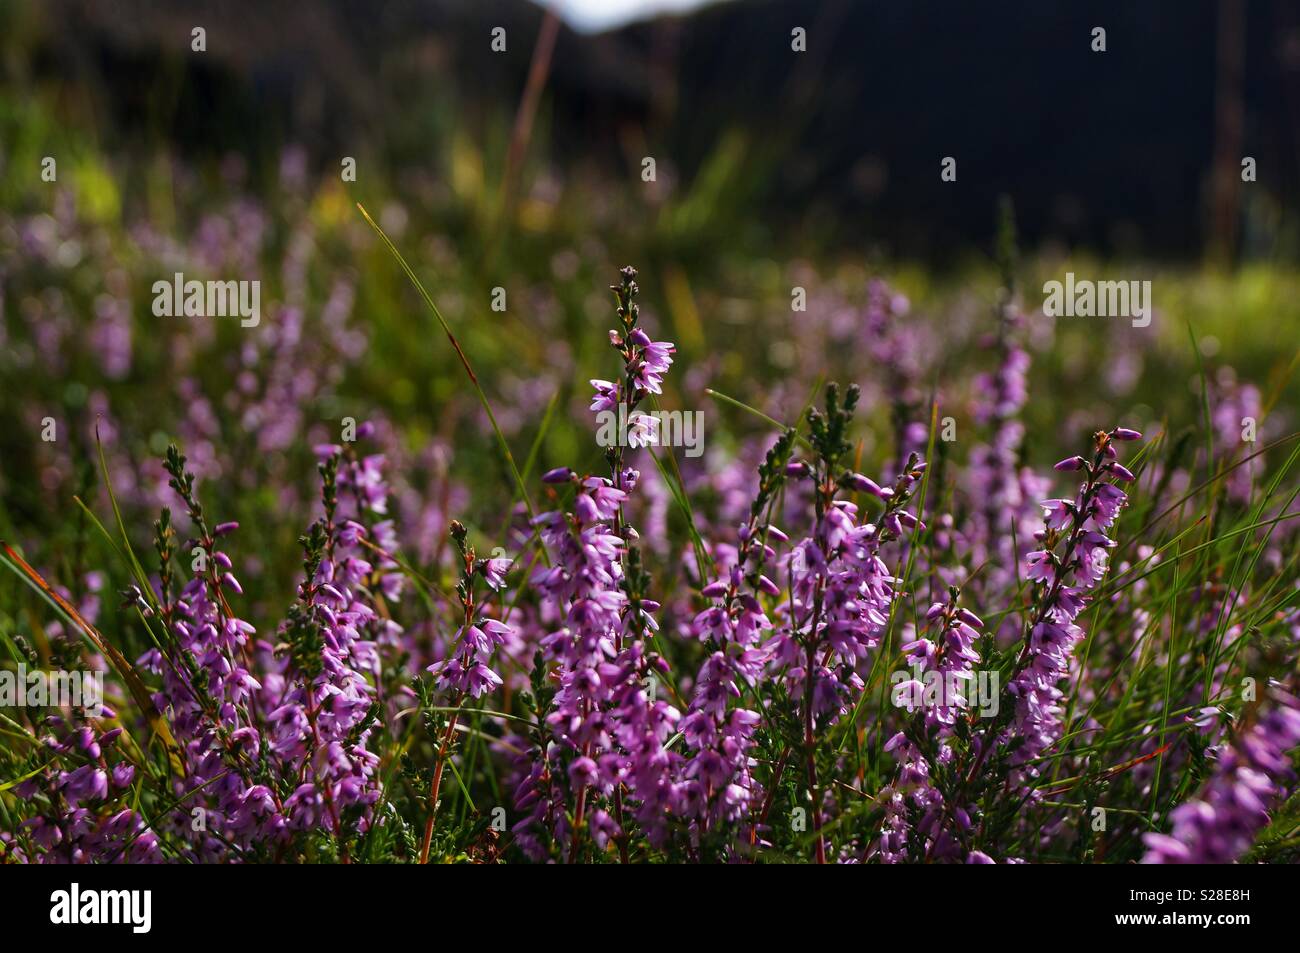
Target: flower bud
{"x":1070,"y":463}
{"x":863,"y":484}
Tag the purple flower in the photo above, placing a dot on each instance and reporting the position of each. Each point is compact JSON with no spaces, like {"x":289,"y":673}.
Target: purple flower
{"x":468,"y":670}
{"x":1040,"y":566}
{"x":1220,"y":825}
{"x":1065,"y":581}
{"x":655,"y":360}
{"x":494,"y":571}
{"x":1058,"y":513}
{"x":606,"y":396}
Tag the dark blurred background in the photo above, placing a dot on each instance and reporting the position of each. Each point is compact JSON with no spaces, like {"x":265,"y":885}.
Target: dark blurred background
{"x":516,"y":176}
{"x":1134,"y":151}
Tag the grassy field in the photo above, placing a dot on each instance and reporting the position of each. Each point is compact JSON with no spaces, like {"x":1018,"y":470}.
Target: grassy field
{"x":396,"y":656}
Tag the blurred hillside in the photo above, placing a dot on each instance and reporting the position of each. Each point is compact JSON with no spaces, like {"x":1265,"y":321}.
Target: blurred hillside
{"x":1114,"y":151}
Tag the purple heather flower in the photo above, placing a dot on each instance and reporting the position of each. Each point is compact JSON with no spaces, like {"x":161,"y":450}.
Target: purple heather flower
{"x":1054,"y":634}
{"x":655,"y":360}
{"x":606,"y":396}
{"x":862,"y":484}
{"x":1057,"y":513}
{"x":1040,"y":566}
{"x":1122,"y":472}
{"x":643,"y":430}
{"x":1220,"y":825}
{"x":494,"y":571}
{"x":1106,"y":502}
{"x":947,"y":656}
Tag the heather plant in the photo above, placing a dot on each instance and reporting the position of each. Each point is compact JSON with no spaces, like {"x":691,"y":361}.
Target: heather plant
{"x":429,"y":653}
{"x":375,"y":572}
